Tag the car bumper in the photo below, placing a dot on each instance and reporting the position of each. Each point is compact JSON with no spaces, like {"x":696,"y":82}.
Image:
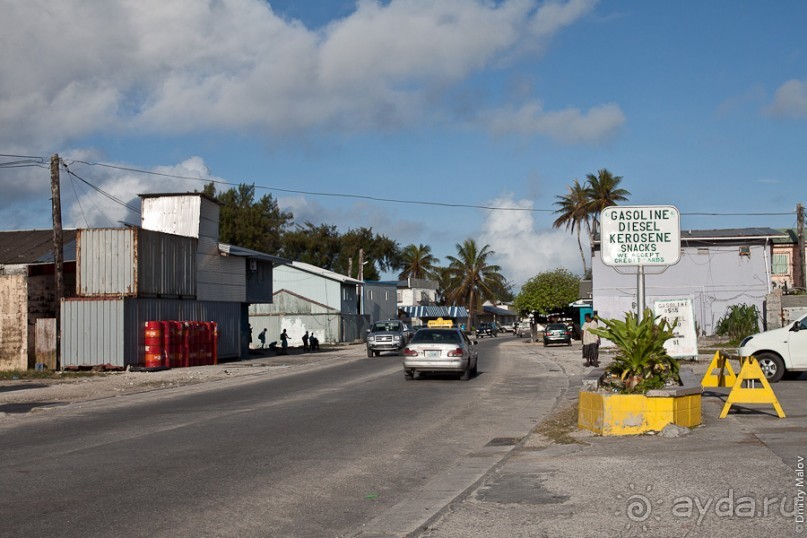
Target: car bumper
{"x":425,"y":365}
{"x":385,"y":347}
{"x":556,"y":340}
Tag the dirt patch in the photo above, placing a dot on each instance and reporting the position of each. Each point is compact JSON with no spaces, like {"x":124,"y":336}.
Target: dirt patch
{"x":559,"y":425}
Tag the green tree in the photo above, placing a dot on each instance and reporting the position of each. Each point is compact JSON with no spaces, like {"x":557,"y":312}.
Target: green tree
{"x":316,"y":245}
{"x":417,"y":261}
{"x":548,"y":292}
{"x":258,"y":225}
{"x":603,"y":191}
{"x":381,"y":253}
{"x":573,"y":213}
{"x":472,"y":279}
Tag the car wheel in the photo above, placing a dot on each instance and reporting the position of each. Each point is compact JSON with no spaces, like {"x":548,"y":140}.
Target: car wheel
{"x":370,"y":353}
{"x":409,"y":375}
{"x":466,"y":375}
{"x":475,"y":369}
{"x":772,"y":366}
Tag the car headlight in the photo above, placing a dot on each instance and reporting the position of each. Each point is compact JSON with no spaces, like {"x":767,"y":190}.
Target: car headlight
{"x":397,"y":338}
{"x":371,"y":338}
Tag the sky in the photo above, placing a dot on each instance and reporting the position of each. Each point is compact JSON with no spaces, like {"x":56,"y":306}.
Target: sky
{"x":413,"y":117}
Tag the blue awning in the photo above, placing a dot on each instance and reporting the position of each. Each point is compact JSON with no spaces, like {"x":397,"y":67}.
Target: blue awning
{"x":456,"y":312}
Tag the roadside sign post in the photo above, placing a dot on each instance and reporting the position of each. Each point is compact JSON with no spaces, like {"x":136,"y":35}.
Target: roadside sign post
{"x":640,"y":236}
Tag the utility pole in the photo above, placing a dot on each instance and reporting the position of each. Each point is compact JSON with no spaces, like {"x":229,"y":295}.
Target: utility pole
{"x":802,"y":283}
{"x":58,"y":248}
{"x":361,"y":264}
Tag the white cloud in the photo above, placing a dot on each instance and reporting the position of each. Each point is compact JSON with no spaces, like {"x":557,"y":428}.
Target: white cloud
{"x":790,"y":100}
{"x":522,"y":250}
{"x":73,"y":68}
{"x":570,"y":125}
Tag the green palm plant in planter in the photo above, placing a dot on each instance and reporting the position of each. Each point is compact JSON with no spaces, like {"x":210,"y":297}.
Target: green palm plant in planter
{"x":642,"y":362}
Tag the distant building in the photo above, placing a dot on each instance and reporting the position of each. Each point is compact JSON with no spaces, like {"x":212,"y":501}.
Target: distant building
{"x":309,"y":298}
{"x":785,"y":269}
{"x":718,"y":269}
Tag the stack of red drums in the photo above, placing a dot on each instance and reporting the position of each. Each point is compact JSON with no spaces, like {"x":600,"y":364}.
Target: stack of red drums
{"x":176,"y":344}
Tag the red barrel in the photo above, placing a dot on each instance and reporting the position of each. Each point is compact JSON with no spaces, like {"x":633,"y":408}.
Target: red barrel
{"x":207,"y":341}
{"x":193,"y":343}
{"x":155,"y":346}
{"x":186,"y":343}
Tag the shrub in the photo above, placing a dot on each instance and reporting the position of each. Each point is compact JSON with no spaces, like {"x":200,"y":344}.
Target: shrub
{"x":741,"y":320}
{"x":642,"y":363}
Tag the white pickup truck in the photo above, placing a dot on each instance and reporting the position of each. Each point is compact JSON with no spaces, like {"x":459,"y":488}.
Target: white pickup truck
{"x":780,"y":352}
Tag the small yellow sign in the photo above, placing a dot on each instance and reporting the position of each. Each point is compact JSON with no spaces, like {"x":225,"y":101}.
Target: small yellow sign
{"x":440,"y":322}
{"x":749,"y":374}
{"x":719,"y":373}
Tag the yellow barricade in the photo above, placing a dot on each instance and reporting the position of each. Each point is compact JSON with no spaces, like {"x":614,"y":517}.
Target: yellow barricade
{"x":751,"y":372}
{"x":725,"y":376}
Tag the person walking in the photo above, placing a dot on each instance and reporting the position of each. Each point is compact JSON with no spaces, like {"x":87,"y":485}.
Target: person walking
{"x":591,"y":342}
{"x":305,"y":341}
{"x":262,"y":338}
{"x":284,"y":342}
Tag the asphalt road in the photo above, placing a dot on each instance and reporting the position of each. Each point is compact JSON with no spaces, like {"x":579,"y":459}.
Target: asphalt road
{"x":343,"y":450}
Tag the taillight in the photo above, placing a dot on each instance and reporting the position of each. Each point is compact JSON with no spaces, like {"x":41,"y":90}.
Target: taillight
{"x":410,"y":352}
{"x":455,"y":352}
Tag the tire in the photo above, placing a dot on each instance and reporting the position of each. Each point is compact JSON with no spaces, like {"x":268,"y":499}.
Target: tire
{"x":370,"y":353}
{"x":475,"y":369}
{"x":772,"y":366}
{"x":466,"y":375}
{"x":409,"y":375}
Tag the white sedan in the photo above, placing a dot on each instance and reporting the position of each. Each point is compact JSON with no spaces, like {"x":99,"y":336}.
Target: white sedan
{"x":440,"y":350}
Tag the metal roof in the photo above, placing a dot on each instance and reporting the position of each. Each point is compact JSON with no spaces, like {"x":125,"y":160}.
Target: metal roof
{"x":21,"y":247}
{"x":314,"y":270}
{"x":731,"y":234}
{"x":232,"y":250}
{"x":435,"y":311}
{"x":499,"y":311}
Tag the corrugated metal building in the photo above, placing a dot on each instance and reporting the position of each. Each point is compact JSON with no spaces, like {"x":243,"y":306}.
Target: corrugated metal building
{"x":173,"y":268}
{"x":309,"y":298}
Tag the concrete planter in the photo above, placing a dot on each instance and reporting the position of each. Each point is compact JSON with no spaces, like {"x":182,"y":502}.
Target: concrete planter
{"x":630,"y":414}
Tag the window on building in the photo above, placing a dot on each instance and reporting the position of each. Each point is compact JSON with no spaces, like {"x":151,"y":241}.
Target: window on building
{"x":780,"y":264}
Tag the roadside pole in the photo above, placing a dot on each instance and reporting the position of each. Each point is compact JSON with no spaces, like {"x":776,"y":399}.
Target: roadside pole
{"x":58,"y":249}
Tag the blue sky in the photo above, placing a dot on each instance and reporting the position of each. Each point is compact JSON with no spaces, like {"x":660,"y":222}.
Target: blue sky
{"x":701,"y":105}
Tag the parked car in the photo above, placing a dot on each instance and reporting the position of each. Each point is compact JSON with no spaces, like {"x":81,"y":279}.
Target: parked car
{"x":440,"y":350}
{"x":387,"y":335}
{"x":487,"y":329}
{"x":780,"y":352}
{"x":557,"y":333}
{"x":507,"y":328}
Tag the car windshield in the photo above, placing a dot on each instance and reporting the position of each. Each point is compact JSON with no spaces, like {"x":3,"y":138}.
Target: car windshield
{"x":433,"y":336}
{"x":383,"y":327}
{"x":556,"y":327}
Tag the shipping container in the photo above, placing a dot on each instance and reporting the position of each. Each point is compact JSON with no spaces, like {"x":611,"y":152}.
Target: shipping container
{"x":97,"y":331}
{"x":132,"y":262}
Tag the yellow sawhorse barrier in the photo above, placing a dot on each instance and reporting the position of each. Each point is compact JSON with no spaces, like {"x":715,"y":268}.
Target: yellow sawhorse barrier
{"x":750,"y":372}
{"x":725,"y":376}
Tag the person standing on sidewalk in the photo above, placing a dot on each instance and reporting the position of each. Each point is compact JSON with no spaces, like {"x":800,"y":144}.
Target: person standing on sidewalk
{"x":591,"y":342}
{"x":284,"y":342}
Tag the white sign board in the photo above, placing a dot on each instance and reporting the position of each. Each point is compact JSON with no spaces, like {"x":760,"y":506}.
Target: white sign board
{"x":640,"y":235}
{"x":685,"y":341}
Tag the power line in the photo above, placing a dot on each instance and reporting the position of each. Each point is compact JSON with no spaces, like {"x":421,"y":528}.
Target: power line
{"x":101,"y":191}
{"x":38,"y":160}
{"x":394,"y":200}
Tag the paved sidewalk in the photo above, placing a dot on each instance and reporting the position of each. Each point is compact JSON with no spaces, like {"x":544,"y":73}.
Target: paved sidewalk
{"x":730,"y":477}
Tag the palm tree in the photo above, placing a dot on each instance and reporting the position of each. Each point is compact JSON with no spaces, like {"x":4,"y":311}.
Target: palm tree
{"x":472,"y":277}
{"x":603,"y":191}
{"x":418,"y":262}
{"x":573,"y":213}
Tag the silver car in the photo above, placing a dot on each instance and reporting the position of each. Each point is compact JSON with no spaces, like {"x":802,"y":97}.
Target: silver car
{"x":440,"y":350}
